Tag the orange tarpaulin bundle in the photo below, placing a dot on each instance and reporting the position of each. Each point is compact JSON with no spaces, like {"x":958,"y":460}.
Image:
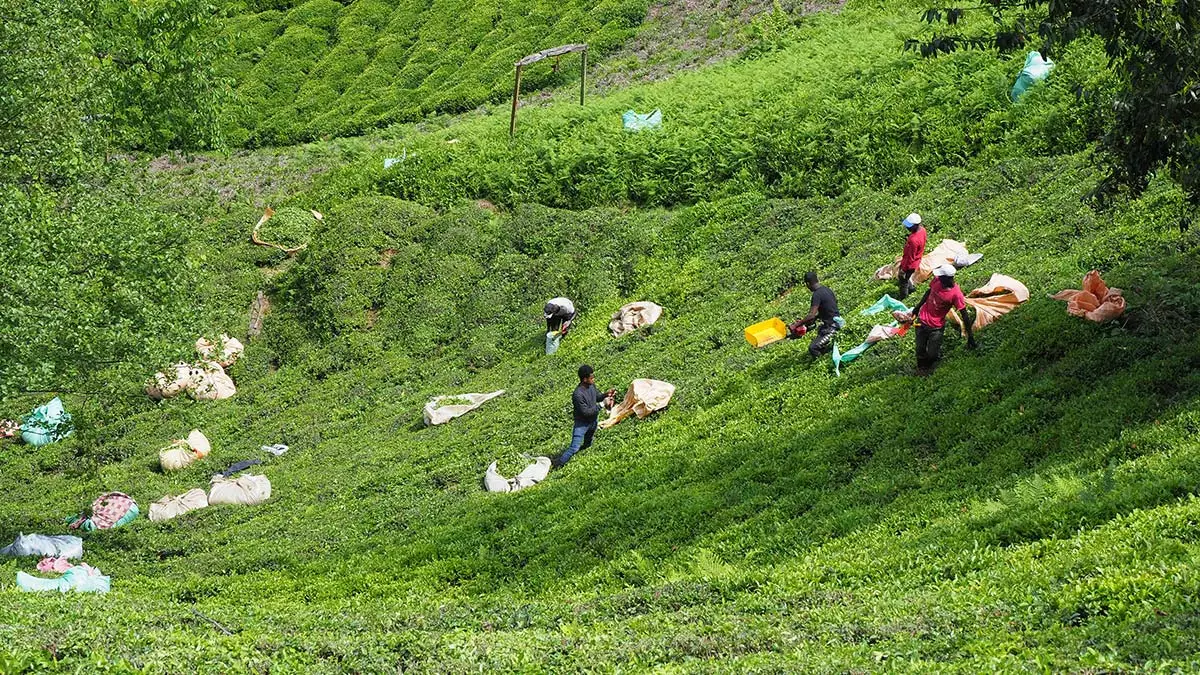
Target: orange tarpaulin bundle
{"x":1096,"y":302}
{"x":998,"y":297}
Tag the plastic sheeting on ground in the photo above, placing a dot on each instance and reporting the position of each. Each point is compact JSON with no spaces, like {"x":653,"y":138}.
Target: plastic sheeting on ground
{"x":643,"y":397}
{"x":530,"y":476}
{"x":442,"y":409}
{"x":899,"y":327}
{"x":633,"y":121}
{"x":231,"y":350}
{"x":1001,"y":295}
{"x":46,"y":424}
{"x":1036,"y":69}
{"x":947,"y":252}
{"x":170,"y":507}
{"x":80,"y":578}
{"x":245,"y":490}
{"x":181,"y":453}
{"x":41,"y":545}
{"x":112,"y":509}
{"x":633,"y":316}
{"x":1096,"y":302}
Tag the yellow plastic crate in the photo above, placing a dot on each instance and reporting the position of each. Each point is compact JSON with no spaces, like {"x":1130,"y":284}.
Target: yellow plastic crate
{"x":764,"y":333}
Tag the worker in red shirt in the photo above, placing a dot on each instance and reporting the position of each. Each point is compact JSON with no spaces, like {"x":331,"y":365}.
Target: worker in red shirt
{"x":942,"y":296}
{"x":914,"y":250}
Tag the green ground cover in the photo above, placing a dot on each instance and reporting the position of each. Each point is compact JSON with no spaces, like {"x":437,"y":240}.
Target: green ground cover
{"x":1031,"y":506}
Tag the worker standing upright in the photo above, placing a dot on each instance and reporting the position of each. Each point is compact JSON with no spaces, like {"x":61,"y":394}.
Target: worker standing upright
{"x":914,"y":250}
{"x":586,"y":404}
{"x":942,"y":296}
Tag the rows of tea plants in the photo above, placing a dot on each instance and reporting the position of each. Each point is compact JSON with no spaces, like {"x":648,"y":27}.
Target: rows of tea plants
{"x":320,"y":68}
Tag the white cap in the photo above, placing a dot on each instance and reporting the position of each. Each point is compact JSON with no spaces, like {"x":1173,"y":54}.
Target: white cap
{"x":946,"y":270}
{"x":913,"y":220}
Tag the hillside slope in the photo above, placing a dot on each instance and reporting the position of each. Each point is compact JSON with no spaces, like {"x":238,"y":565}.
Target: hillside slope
{"x":1033,"y":503}
{"x":324,"y":68}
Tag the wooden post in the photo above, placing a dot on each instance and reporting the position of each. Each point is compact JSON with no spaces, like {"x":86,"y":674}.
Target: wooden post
{"x":583,"y":76}
{"x":512,"y":125}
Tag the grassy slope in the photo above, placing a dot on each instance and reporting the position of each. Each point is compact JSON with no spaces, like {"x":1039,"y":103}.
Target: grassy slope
{"x":1032,"y":503}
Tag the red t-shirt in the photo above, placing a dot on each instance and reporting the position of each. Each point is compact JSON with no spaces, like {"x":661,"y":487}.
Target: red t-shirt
{"x":941,"y":299}
{"x":914,"y":250}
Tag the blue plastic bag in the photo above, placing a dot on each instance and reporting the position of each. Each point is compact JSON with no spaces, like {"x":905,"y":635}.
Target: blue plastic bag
{"x":636,"y":122}
{"x":1036,"y":69}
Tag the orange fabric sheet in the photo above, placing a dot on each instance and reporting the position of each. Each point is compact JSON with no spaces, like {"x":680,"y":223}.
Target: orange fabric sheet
{"x":1095,"y":302}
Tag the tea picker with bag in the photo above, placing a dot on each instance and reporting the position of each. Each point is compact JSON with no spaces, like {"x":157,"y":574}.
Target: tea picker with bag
{"x":942,"y":296}
{"x":914,"y":250}
{"x":586,"y":403}
{"x":824,"y":309}
{"x":559,"y":313}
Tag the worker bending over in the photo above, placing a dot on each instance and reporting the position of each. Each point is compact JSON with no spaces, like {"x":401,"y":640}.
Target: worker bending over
{"x":914,"y":250}
{"x":586,"y":403}
{"x":942,"y":296}
{"x":825,"y":310}
{"x":559,"y":314}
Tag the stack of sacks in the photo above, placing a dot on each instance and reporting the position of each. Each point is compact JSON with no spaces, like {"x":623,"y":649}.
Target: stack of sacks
{"x":1096,"y":302}
{"x":169,"y":507}
{"x":181,"y":453}
{"x":245,"y":490}
{"x":231,"y":350}
{"x":644,"y":397}
{"x":205,"y":380}
{"x":530,"y":476}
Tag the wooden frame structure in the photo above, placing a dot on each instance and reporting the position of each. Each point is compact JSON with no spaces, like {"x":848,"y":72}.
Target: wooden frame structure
{"x":545,"y":54}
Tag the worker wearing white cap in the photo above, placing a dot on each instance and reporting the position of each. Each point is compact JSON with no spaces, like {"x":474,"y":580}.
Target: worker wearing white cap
{"x":942,"y":296}
{"x":914,"y":250}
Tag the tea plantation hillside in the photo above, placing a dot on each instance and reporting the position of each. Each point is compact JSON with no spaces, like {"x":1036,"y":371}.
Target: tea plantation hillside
{"x":1030,"y":506}
{"x":317,"y":68}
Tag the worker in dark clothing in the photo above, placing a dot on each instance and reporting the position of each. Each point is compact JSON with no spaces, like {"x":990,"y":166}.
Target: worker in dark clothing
{"x":586,"y":403}
{"x":825,"y":310}
{"x":914,"y":250}
{"x":931,"y":311}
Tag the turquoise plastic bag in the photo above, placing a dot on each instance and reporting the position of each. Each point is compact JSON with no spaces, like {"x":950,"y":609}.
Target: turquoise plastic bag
{"x":839,"y":358}
{"x":635,"y":122}
{"x":1036,"y":69}
{"x":886,"y":304}
{"x":552,"y":341}
{"x":78,"y":578}
{"x":47,"y":424}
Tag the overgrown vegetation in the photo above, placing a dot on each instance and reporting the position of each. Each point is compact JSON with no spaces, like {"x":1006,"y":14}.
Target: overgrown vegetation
{"x":1031,"y":504}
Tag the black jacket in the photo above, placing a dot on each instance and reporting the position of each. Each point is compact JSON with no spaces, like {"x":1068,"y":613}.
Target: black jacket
{"x":586,"y":402}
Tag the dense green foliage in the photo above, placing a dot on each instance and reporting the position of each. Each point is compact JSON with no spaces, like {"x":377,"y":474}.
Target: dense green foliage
{"x":95,"y":280}
{"x":806,"y":121}
{"x":1155,"y":48}
{"x":1031,"y":505}
{"x":322,"y":68}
